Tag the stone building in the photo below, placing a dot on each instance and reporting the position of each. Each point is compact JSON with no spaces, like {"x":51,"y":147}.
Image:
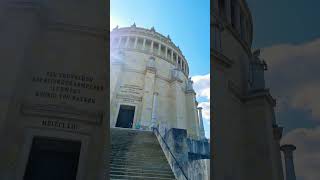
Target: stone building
{"x":150,"y":89}
{"x":149,"y":76}
{"x":53,"y":89}
{"x":246,"y":136}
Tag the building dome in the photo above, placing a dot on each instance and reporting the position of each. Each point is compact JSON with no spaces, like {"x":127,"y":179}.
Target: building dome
{"x":149,"y":42}
{"x":149,"y":82}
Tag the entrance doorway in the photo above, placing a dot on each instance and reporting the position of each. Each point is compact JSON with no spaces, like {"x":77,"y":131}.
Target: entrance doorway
{"x":53,"y":159}
{"x":125,"y":116}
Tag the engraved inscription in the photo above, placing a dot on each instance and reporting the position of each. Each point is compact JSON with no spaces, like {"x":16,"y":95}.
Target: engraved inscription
{"x":67,"y":87}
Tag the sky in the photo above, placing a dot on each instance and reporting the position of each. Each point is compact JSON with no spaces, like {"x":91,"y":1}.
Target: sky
{"x":288,"y":33}
{"x":188,"y":25}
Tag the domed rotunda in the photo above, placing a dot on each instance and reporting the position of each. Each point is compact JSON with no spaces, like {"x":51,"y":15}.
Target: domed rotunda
{"x":150,"y":84}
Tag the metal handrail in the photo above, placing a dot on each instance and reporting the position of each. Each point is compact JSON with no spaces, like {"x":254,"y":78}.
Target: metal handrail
{"x":167,"y":146}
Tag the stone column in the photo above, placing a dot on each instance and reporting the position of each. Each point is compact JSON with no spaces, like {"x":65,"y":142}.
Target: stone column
{"x":127,"y":42}
{"x":159,"y":50}
{"x":151,"y":50}
{"x":120,"y":39}
{"x":144,"y":44}
{"x":135,"y":42}
{"x":288,"y":158}
{"x":154,"y":116}
{"x":182,"y":65}
{"x":166,"y":53}
{"x":171,"y":56}
{"x":202,"y":134}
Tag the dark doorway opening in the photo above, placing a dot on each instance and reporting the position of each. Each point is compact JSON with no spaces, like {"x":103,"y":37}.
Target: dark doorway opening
{"x":125,"y":116}
{"x":53,"y":159}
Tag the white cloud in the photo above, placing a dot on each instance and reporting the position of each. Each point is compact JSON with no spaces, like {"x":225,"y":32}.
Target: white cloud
{"x":293,"y":75}
{"x":201,"y":84}
{"x":115,"y":22}
{"x":205,"y":110}
{"x":293,"y":78}
{"x":307,"y":154}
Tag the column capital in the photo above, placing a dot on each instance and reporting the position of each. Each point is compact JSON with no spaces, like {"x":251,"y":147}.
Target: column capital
{"x":288,"y":148}
{"x":199,"y":108}
{"x":156,"y":93}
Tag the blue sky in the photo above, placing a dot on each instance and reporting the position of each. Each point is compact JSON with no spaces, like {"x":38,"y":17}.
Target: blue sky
{"x":285,"y":21}
{"x":290,"y":23}
{"x":188,"y":25}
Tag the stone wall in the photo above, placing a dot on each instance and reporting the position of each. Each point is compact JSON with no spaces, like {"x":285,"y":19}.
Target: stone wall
{"x":180,"y":151}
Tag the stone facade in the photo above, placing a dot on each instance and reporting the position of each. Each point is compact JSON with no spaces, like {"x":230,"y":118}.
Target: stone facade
{"x":245,"y":133}
{"x":53,"y":81}
{"x":150,"y":73}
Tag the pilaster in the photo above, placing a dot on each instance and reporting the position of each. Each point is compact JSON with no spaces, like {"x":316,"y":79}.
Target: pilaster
{"x":147,"y":100}
{"x":176,"y":85}
{"x":193,"y":124}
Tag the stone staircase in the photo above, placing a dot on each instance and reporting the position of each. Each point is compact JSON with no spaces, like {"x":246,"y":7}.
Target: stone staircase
{"x":137,"y":154}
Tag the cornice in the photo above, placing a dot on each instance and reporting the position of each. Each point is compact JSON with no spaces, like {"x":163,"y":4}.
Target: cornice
{"x":221,"y":59}
{"x":263,"y":93}
{"x":99,"y":32}
{"x":252,"y":95}
{"x":152,"y":54}
{"x":148,"y":33}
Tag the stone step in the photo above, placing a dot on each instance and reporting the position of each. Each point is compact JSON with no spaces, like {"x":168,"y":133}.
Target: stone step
{"x":138,"y":147}
{"x":137,"y":150}
{"x":162,"y":171}
{"x":127,"y":155}
{"x":122,"y":177}
{"x":141,"y":167}
{"x":144,"y":160}
{"x":140,"y":159}
{"x":137,"y":154}
{"x":132,"y":173}
{"x":145,"y":165}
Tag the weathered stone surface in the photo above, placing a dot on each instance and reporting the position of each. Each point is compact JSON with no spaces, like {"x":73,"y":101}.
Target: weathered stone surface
{"x":243,"y":142}
{"x":53,"y":79}
{"x":136,"y":154}
{"x":144,"y":62}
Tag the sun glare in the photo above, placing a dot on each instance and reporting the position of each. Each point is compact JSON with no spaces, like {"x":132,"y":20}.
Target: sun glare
{"x":115,"y":22}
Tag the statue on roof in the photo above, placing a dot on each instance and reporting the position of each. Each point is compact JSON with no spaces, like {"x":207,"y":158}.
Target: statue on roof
{"x":189,"y":86}
{"x":117,"y":27}
{"x":152,"y":29}
{"x":133,"y":25}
